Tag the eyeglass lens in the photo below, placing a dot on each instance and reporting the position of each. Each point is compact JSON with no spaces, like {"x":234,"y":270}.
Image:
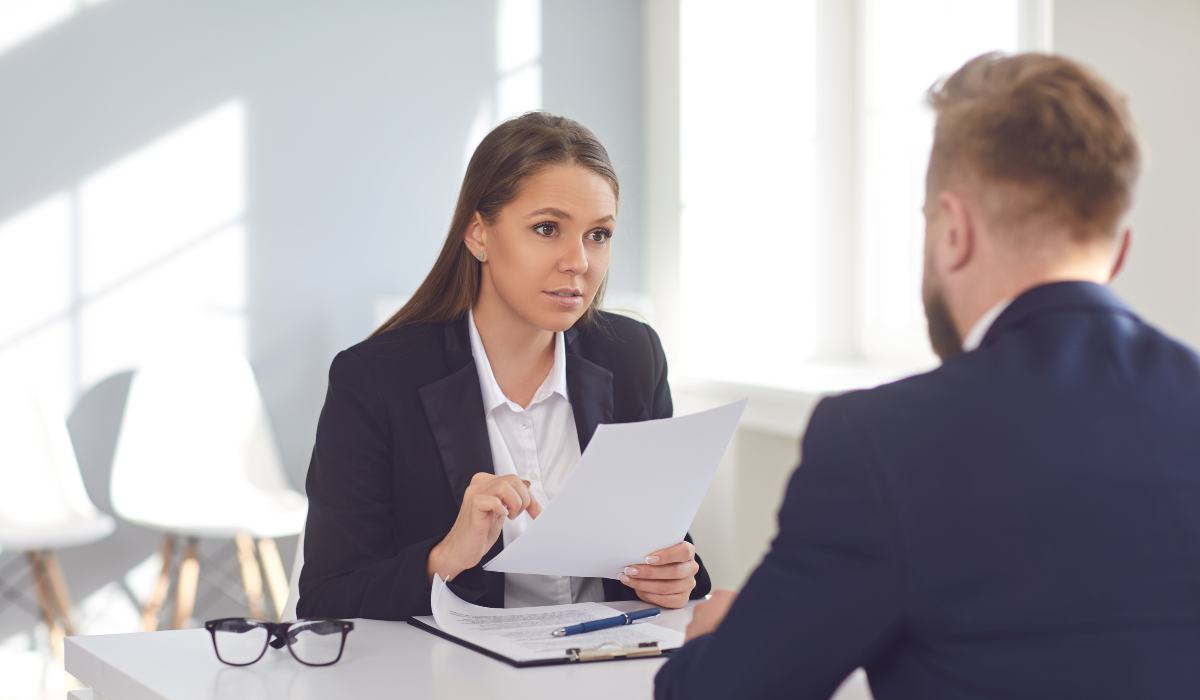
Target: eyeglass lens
{"x":240,"y":642}
{"x":316,"y":642}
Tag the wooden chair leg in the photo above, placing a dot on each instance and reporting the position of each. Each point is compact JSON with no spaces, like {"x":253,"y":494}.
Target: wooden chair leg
{"x":185,"y":592}
{"x":159,"y":594}
{"x":60,"y":595}
{"x":251,"y":579}
{"x":41,"y":587}
{"x":277,"y":582}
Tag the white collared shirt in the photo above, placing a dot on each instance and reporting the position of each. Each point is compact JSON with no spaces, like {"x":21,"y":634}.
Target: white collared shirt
{"x":981,"y":327}
{"x":540,"y":445}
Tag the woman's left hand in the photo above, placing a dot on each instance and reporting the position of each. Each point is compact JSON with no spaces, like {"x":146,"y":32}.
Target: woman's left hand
{"x":666,"y":578}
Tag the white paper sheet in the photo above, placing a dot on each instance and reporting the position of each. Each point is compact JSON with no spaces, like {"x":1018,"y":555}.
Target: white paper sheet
{"x":636,"y":490}
{"x":523,"y":634}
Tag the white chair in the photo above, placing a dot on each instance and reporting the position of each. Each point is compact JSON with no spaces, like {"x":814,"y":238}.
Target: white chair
{"x":196,"y":458}
{"x":289,"y":610}
{"x":43,"y":504}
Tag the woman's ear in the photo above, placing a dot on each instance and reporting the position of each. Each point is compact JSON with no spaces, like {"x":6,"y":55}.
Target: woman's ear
{"x":475,"y":237}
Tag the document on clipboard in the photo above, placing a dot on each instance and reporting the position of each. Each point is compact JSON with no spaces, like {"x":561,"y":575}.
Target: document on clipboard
{"x":522,"y":636}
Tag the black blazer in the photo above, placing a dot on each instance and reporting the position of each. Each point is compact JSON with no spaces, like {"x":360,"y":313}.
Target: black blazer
{"x":402,"y":432}
{"x":1023,"y":522}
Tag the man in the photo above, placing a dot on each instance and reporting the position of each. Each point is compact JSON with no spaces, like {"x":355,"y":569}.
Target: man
{"x":1023,"y":521}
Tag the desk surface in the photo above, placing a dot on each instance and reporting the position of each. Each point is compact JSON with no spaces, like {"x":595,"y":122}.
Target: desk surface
{"x":382,"y":659}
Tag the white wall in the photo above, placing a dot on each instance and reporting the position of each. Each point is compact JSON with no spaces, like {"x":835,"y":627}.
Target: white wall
{"x":1150,"y":51}
{"x":350,"y":125}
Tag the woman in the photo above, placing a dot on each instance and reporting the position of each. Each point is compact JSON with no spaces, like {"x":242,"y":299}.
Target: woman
{"x":449,"y":428}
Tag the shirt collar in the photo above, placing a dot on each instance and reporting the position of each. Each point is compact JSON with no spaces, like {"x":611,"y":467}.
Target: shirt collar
{"x":554,"y":383}
{"x":980,"y":329}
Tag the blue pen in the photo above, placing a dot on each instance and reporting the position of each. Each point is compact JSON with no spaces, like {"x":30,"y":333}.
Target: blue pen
{"x":619,"y":620}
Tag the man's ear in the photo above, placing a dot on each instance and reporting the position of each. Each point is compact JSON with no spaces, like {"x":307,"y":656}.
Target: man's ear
{"x":1122,"y":253}
{"x":960,"y":239}
{"x":475,"y":237}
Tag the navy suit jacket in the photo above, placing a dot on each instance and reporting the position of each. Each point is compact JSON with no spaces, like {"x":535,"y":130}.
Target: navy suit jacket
{"x":1023,"y":522}
{"x":402,"y":432}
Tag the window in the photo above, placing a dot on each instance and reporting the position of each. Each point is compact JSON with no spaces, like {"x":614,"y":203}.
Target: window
{"x":802,"y":141}
{"x":747,"y":184}
{"x":904,"y":48}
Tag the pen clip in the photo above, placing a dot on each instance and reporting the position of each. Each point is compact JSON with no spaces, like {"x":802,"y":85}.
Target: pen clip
{"x":639,"y":615}
{"x":613,"y":650}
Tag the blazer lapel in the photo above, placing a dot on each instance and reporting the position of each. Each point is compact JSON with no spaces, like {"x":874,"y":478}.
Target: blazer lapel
{"x":590,"y":388}
{"x":454,"y":407}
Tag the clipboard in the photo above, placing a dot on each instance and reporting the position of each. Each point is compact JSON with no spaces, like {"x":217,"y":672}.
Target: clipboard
{"x":604,"y":652}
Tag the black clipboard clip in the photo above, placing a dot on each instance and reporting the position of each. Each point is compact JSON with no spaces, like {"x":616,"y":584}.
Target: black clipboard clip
{"x":611,"y":650}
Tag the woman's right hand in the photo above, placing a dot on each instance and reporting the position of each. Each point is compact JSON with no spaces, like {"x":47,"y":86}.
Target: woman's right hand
{"x":489,"y":499}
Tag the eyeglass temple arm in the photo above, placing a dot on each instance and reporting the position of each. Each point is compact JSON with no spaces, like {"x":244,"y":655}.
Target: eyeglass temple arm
{"x":280,"y":639}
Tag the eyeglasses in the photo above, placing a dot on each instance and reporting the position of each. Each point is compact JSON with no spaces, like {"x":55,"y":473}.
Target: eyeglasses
{"x":240,"y":642}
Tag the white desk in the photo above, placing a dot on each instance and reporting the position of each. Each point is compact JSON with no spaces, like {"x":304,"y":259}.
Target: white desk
{"x":382,"y":659}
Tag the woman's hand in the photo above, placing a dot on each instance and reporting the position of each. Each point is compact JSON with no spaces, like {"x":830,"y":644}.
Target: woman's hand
{"x":666,"y":578}
{"x":489,"y":499}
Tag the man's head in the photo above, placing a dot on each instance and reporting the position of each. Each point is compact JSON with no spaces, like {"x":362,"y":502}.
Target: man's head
{"x":1031,"y":174}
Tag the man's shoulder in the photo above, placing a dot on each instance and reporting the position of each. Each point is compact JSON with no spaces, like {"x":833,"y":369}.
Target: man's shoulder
{"x":937,"y":386}
{"x":1027,"y":378}
{"x":921,"y":414}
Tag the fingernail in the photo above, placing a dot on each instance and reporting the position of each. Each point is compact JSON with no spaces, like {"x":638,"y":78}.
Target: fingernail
{"x":623,"y":578}
{"x":651,"y":559}
{"x":631,"y":571}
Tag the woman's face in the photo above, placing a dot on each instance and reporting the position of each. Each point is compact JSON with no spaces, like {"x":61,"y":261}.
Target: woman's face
{"x":547,"y":251}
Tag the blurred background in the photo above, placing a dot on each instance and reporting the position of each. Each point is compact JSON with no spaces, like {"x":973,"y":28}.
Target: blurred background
{"x":273,"y":179}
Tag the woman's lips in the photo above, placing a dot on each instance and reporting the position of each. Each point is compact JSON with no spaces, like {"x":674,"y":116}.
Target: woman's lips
{"x":566,"y":301}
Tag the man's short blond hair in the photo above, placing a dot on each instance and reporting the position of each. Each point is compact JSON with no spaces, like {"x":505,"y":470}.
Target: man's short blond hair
{"x":1046,"y":133}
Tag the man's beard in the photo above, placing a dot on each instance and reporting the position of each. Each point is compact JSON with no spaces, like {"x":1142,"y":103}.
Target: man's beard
{"x":943,"y":336}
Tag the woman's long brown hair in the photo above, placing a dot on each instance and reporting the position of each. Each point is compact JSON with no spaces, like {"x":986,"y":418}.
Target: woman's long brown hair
{"x":507,"y":156}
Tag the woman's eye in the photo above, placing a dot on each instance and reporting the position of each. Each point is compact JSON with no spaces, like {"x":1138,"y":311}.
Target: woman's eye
{"x":546,"y":229}
{"x":600,"y":235}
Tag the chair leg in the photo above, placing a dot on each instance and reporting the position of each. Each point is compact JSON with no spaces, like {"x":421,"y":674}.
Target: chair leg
{"x":42,"y":588}
{"x":272,"y":566}
{"x":185,"y":592}
{"x":251,"y":579}
{"x":61,"y":596}
{"x":161,"y":586}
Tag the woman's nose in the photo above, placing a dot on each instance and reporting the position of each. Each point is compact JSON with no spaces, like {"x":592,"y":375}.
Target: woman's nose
{"x":574,"y":258}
